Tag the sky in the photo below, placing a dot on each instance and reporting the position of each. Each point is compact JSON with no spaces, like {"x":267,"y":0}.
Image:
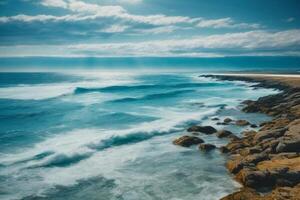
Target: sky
{"x":154,"y":28}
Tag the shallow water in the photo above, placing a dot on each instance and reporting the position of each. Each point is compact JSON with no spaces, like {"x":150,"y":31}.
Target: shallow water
{"x":108,"y":135}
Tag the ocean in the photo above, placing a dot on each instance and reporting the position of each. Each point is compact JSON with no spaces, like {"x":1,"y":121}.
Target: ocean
{"x":108,"y":135}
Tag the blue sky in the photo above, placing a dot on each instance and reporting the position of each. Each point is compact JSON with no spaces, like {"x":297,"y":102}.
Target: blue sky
{"x":109,"y":28}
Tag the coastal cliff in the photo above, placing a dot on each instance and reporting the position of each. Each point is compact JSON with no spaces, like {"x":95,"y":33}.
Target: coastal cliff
{"x":267,"y":162}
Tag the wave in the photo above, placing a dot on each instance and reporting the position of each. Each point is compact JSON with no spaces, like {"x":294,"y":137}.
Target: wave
{"x":65,"y":148}
{"x":35,"y":92}
{"x":153,"y":96}
{"x":80,"y":90}
{"x":63,"y":160}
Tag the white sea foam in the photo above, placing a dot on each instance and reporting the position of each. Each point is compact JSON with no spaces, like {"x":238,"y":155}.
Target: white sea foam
{"x":45,"y":91}
{"x":77,"y":143}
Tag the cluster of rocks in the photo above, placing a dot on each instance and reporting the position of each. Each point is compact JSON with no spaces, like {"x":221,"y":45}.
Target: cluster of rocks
{"x":228,"y":121}
{"x":267,"y":162}
{"x":187,"y":140}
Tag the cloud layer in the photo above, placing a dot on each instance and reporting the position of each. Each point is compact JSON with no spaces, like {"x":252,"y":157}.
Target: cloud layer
{"x":89,"y":29}
{"x":231,"y":44}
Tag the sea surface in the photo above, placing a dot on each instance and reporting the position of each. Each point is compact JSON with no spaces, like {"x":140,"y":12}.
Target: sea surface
{"x":108,"y":135}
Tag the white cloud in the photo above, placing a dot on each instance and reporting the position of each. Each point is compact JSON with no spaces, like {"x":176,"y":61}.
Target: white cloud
{"x":93,"y":11}
{"x":114,"y":29}
{"x":130,"y":1}
{"x":224,"y":23}
{"x":243,"y":43}
{"x":159,"y":30}
{"x":54,"y":3}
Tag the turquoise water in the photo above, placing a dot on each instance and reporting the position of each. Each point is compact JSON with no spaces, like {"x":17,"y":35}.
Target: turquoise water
{"x":108,"y":135}
{"x":264,"y":64}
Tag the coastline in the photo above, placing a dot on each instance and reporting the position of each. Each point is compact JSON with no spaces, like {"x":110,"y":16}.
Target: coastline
{"x":265,"y":162}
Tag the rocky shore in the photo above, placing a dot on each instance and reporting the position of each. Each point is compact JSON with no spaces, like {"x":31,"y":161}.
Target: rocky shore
{"x":266,"y":162}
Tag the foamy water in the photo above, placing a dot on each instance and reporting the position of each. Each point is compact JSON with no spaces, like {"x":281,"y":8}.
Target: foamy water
{"x":108,"y":135}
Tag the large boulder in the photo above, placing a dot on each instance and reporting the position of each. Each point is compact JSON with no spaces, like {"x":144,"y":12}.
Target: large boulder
{"x":223,"y":133}
{"x":235,"y":165}
{"x":207,"y":147}
{"x":242,"y":122}
{"x":227,"y":120}
{"x":244,"y":194}
{"x":224,"y":149}
{"x":288,"y":146}
{"x":203,"y":129}
{"x":254,"y":178}
{"x":255,"y":158}
{"x":187,"y":141}
{"x":262,"y":135}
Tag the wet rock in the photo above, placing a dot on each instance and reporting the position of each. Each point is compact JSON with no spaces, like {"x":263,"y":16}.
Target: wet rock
{"x":235,"y":145}
{"x":253,"y":126}
{"x":254,"y":178}
{"x":215,"y":119}
{"x":206,"y":147}
{"x":187,"y":141}
{"x":242,"y":122}
{"x":233,"y":138}
{"x":223,"y":133}
{"x":224,"y":149}
{"x":222,"y":123}
{"x":235,"y":165}
{"x":227,"y":120}
{"x":203,"y":129}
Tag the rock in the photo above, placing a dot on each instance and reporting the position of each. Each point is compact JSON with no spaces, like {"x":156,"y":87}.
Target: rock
{"x":227,"y":120}
{"x":235,"y":145}
{"x":224,"y":149}
{"x":268,"y":160}
{"x":215,"y":119}
{"x":235,"y":165}
{"x":254,"y":178}
{"x":242,"y":122}
{"x":250,"y":150}
{"x":244,"y":194}
{"x":223,"y":133}
{"x":279,"y":193}
{"x":256,"y":158}
{"x":288,"y":146}
{"x":207,"y":147}
{"x":292,"y":164}
{"x":203,"y":129}
{"x":280,"y":156}
{"x":222,"y":123}
{"x":249,"y":133}
{"x":253,"y":126}
{"x":262,"y":135}
{"x":195,"y":133}
{"x":187,"y":141}
{"x":275,"y":124}
{"x":233,"y":138}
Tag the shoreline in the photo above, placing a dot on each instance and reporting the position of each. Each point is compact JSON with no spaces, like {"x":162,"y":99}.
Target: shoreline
{"x":268,"y":161}
{"x":265,"y":162}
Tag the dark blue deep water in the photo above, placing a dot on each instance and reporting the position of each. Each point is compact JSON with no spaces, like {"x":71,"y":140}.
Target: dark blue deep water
{"x":108,"y":135}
